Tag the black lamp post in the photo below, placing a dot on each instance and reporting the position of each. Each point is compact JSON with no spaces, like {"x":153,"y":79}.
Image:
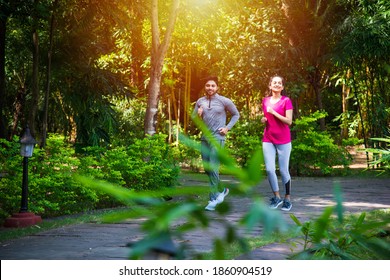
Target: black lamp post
{"x":24,"y":218}
{"x":27,"y":143}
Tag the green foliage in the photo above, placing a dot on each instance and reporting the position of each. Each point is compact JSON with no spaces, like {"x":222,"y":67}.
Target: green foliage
{"x":362,"y":54}
{"x":145,"y":165}
{"x":335,"y":239}
{"x":51,"y":189}
{"x":10,"y":177}
{"x":51,"y":181}
{"x":130,"y":115}
{"x":187,"y":156}
{"x":352,"y":141}
{"x":315,"y":150}
{"x":245,"y":139}
{"x":382,"y":154}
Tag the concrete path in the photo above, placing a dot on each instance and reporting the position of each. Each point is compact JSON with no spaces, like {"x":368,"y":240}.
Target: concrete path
{"x":92,"y":241}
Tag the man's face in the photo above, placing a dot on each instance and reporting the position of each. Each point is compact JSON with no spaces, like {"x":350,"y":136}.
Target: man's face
{"x":211,"y":87}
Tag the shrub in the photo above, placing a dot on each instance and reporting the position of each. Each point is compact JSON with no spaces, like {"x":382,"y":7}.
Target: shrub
{"x":188,"y":157}
{"x":11,"y":177}
{"x":145,"y":165}
{"x":244,"y":139}
{"x":51,"y":188}
{"x":354,"y":238}
{"x":315,"y":150}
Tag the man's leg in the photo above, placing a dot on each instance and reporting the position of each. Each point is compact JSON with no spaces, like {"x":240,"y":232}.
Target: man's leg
{"x":209,"y":161}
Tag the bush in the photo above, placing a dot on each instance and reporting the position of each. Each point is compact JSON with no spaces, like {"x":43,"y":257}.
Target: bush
{"x":11,"y":177}
{"x":244,"y":139}
{"x":188,"y":157}
{"x":344,"y":238}
{"x":51,"y":188}
{"x":315,"y":150}
{"x":145,"y":165}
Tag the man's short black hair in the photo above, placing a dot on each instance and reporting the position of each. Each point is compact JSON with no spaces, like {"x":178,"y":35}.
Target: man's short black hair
{"x":211,"y":78}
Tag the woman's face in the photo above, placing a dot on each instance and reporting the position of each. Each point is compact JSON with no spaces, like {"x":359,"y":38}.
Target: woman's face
{"x":276,"y":85}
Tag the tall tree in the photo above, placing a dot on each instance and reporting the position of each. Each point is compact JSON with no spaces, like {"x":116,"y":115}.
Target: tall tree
{"x":309,"y":27}
{"x":17,"y":11}
{"x":35,"y":68}
{"x":4,"y":14}
{"x":159,"y":50}
{"x":364,"y":53}
{"x":48,"y":74}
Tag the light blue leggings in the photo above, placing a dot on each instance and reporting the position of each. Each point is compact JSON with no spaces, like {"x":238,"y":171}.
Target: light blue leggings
{"x":284,"y":151}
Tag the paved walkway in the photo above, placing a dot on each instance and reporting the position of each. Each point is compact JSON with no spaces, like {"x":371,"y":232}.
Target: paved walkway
{"x":92,"y":241}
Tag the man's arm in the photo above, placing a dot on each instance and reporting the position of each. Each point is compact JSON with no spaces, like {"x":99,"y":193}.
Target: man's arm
{"x":235,"y":115}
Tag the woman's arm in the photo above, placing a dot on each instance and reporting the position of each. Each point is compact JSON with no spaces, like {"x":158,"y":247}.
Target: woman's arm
{"x":287,"y":119}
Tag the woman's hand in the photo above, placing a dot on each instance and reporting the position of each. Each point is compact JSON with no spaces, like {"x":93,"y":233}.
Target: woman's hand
{"x":270,"y":110}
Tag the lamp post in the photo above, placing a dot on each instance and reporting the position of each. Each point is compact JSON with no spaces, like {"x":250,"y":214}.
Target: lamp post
{"x":24,"y":218}
{"x":27,"y":143}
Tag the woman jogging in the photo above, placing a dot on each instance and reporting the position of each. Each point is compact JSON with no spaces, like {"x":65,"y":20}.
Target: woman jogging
{"x":278,"y":112}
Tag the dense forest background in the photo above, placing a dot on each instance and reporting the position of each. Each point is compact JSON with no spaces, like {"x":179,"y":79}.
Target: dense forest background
{"x":83,"y":68}
{"x":93,"y":79}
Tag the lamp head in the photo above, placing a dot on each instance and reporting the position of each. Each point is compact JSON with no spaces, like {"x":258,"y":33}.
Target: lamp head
{"x":27,"y":143}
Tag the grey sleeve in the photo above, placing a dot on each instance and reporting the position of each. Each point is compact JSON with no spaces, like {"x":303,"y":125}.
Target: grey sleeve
{"x":195,"y":112}
{"x":235,"y":115}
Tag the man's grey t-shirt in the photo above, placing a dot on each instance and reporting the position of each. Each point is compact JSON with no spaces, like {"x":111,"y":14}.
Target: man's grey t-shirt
{"x":214,"y":113}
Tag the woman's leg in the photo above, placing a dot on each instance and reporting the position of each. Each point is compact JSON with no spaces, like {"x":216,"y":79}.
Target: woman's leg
{"x":284,"y":152}
{"x":269,"y":152}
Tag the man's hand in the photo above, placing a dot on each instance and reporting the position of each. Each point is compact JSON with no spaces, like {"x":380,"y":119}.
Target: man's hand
{"x":223,"y":130}
{"x":200,"y":112}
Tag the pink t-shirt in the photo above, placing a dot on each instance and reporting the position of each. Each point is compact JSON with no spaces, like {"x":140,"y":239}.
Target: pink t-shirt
{"x":276,"y":131}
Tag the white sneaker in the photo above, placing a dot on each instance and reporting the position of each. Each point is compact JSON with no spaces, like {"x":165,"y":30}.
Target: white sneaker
{"x":211,"y":206}
{"x":222,"y":195}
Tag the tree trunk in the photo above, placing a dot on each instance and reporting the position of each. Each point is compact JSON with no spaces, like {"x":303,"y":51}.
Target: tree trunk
{"x":315,"y":81}
{"x":48,"y":77}
{"x":20,"y":102}
{"x":344,"y":120}
{"x":3,"y":117}
{"x":35,"y":75}
{"x":187,"y":96}
{"x":159,"y":51}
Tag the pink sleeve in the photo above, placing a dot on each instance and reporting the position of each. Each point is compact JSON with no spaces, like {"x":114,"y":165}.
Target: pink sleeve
{"x":289,"y":105}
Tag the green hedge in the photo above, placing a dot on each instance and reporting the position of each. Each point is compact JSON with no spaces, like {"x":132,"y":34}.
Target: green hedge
{"x":147,"y":164}
{"x":314,"y":151}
